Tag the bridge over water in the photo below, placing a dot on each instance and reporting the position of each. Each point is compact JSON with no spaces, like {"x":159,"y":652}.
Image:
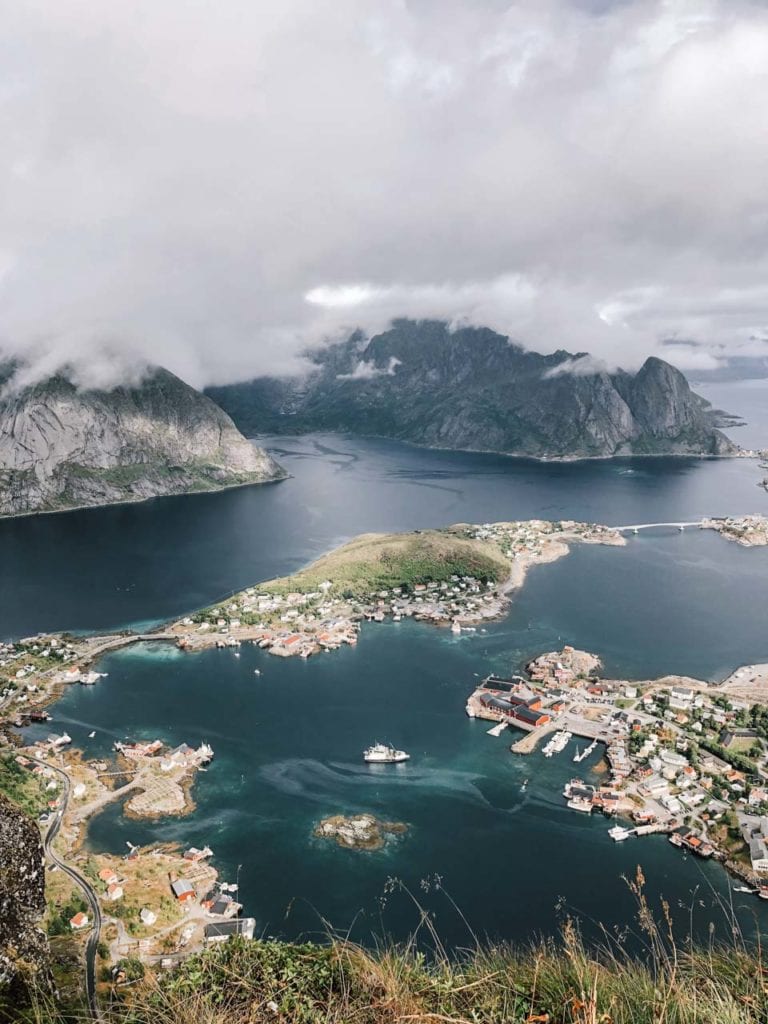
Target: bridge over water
{"x":651,"y":526}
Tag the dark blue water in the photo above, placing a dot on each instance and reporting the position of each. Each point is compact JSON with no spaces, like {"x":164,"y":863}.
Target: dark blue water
{"x":100,"y":568}
{"x":288,"y":742}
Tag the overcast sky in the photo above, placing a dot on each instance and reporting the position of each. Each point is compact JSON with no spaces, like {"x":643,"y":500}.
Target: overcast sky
{"x":212,"y":185}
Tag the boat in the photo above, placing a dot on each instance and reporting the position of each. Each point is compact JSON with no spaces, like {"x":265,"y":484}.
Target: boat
{"x":382,"y":753}
{"x":742,"y":888}
{"x":558,"y":742}
{"x":618,"y":834}
{"x":579,"y":803}
{"x":91,"y":734}
{"x":524,"y":786}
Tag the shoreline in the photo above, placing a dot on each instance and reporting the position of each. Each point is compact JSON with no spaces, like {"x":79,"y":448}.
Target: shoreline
{"x":670,"y":769}
{"x":138,"y":501}
{"x":740,"y":453}
{"x":173,"y":631}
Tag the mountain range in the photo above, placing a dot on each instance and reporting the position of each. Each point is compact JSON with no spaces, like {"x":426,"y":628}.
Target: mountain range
{"x":473,"y":389}
{"x":62,"y":446}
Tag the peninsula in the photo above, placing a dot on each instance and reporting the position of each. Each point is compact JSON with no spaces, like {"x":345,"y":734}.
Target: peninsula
{"x":166,"y":899}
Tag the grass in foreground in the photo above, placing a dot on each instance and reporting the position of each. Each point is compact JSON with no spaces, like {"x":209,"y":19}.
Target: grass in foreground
{"x":550,"y":983}
{"x":557,"y":981}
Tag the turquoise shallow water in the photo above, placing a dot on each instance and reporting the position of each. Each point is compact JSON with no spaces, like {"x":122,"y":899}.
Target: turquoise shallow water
{"x":288,"y":751}
{"x":288,"y":743}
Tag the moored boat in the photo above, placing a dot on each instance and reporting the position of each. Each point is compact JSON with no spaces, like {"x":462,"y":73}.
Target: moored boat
{"x":383,"y":753}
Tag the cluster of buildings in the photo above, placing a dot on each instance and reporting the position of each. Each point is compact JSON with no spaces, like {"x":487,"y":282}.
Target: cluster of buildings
{"x":676,"y":753}
{"x":750,"y":531}
{"x":23,"y":661}
{"x":299,"y":624}
{"x":527,"y":537}
{"x":513,"y":701}
{"x":294,"y":624}
{"x":183,"y":756}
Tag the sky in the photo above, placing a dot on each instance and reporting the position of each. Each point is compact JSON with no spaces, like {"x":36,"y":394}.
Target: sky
{"x":215,"y":186}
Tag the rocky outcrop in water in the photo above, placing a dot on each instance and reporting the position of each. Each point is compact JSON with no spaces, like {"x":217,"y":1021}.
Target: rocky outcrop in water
{"x":23,"y":945}
{"x":358,"y":832}
{"x":473,"y":389}
{"x":62,"y":447}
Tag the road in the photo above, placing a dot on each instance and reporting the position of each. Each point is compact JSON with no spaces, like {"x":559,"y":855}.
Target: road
{"x":652,"y":526}
{"x":88,"y":892}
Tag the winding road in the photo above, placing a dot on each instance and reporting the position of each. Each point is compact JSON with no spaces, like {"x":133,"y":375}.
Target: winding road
{"x":82,"y":883}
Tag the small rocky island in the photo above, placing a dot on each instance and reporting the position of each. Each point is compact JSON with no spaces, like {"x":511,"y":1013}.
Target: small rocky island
{"x":359,"y":831}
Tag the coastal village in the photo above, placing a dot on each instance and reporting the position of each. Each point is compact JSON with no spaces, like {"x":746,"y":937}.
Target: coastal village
{"x":684,"y":757}
{"x":305,"y":621}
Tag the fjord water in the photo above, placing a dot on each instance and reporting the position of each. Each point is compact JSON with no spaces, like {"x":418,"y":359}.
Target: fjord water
{"x":288,"y":742}
{"x":101,"y":568}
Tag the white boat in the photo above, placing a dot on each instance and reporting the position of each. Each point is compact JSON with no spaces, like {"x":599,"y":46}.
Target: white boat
{"x":742,"y":888}
{"x":91,"y":734}
{"x":579,"y":803}
{"x":618,"y":834}
{"x":558,"y":742}
{"x":382,"y":753}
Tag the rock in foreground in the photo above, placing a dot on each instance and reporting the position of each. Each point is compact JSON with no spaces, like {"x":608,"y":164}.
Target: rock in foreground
{"x":23,"y":945}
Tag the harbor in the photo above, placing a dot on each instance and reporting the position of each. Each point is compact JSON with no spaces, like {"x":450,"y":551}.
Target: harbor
{"x":541,"y":703}
{"x":657,"y":737}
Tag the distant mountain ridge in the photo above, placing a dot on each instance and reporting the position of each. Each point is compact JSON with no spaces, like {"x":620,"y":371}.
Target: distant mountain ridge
{"x":63,"y":447}
{"x":472,"y":389}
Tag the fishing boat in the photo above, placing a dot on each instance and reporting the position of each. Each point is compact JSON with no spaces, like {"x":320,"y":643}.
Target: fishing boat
{"x":383,"y":753}
{"x":618,"y":834}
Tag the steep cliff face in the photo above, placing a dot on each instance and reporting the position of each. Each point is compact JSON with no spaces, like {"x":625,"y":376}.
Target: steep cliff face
{"x":23,"y":945}
{"x":473,"y":389}
{"x":62,"y":447}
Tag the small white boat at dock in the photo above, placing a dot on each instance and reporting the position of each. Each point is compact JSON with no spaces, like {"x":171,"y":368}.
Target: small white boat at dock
{"x":558,"y":743}
{"x":618,"y":833}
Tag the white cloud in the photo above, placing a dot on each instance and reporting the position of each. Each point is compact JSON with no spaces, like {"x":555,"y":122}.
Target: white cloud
{"x":217,"y":186}
{"x":367,"y":371}
{"x":581,"y":366}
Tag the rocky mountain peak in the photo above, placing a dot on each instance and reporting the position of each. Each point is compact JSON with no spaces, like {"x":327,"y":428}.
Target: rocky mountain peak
{"x":473,"y":388}
{"x":63,"y":446}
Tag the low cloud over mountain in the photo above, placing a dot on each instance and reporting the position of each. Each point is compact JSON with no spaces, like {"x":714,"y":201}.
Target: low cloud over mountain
{"x":216,"y":186}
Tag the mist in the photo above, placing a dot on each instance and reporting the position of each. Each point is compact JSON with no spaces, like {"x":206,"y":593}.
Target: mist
{"x":216,"y":186}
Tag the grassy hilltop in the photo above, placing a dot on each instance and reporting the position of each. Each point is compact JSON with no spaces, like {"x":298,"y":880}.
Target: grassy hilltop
{"x":379,"y":561}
